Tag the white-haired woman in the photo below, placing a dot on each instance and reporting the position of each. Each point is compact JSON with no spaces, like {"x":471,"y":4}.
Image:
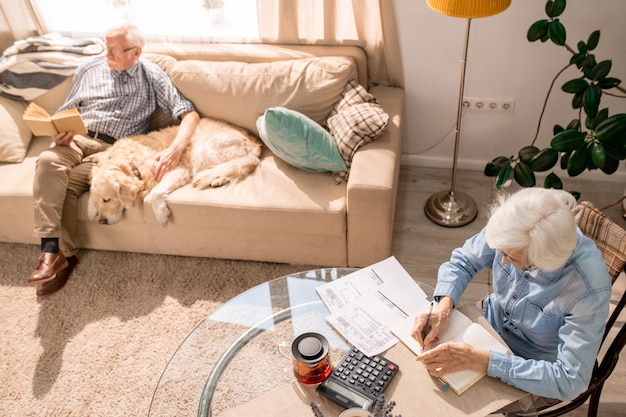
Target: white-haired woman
{"x":550,"y":299}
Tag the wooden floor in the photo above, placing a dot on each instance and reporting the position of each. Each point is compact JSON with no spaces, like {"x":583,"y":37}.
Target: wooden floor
{"x":420,"y":245}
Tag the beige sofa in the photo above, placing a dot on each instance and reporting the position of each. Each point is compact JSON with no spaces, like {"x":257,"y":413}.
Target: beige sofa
{"x":279,"y":213}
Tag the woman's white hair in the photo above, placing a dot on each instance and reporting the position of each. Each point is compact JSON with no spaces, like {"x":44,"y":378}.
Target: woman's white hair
{"x":539,"y":220}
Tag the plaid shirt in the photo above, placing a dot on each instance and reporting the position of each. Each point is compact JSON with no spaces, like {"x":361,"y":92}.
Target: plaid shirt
{"x":119,"y":103}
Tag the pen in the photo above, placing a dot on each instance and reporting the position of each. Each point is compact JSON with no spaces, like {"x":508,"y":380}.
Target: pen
{"x":427,"y":325}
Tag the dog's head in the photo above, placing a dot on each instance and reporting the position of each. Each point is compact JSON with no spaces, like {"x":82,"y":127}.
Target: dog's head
{"x":113,"y":189}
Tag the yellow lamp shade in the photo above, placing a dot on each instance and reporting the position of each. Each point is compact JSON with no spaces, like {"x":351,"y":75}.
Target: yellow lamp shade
{"x":469,"y":8}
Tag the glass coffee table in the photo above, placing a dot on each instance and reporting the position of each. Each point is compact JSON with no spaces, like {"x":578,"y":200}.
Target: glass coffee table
{"x":243,"y":349}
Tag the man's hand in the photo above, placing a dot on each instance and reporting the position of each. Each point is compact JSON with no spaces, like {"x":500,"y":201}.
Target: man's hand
{"x":169,"y":158}
{"x":167,"y":161}
{"x":63,"y":138}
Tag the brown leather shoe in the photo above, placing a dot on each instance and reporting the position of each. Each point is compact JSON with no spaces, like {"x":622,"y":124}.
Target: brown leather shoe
{"x":49,"y":265}
{"x":59,"y":281}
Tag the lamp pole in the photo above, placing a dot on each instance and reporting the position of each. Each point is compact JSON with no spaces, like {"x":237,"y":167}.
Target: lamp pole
{"x":454,"y":208}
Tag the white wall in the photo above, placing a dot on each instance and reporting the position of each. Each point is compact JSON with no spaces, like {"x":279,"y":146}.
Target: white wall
{"x":501,"y":64}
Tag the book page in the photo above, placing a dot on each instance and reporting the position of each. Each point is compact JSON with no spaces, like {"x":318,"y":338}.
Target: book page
{"x":69,"y":121}
{"x":460,"y":329}
{"x":42,"y":124}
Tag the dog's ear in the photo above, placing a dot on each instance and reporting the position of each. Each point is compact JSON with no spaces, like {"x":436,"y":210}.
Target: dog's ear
{"x":128,"y":194}
{"x":93,"y":212}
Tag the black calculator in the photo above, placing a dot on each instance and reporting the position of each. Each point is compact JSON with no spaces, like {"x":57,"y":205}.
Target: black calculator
{"x":358,"y":380}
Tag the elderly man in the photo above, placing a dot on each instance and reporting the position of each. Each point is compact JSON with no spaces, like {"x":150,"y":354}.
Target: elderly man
{"x":115,"y":95}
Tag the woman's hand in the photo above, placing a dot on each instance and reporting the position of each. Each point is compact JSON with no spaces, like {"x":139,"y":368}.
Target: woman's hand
{"x":426,"y":336}
{"x":452,"y":357}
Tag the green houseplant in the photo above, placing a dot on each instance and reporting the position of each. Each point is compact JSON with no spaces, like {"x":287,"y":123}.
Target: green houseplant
{"x":592,"y":140}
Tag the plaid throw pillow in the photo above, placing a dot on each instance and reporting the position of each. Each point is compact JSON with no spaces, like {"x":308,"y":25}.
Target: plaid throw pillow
{"x":355,"y":120}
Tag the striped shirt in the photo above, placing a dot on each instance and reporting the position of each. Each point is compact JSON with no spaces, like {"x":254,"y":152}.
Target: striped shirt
{"x":119,"y":103}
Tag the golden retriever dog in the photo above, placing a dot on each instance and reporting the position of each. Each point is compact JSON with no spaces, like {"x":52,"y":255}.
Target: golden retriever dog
{"x":219,"y":154}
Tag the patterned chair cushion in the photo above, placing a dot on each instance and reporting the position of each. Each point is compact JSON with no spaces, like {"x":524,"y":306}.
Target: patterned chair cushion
{"x":609,"y":236}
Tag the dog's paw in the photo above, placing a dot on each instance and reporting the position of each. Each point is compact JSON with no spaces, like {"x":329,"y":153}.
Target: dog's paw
{"x":203,"y":182}
{"x":161,"y":211}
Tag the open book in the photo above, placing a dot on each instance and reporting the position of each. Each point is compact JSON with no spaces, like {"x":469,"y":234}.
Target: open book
{"x":461,"y":329}
{"x":42,"y":124}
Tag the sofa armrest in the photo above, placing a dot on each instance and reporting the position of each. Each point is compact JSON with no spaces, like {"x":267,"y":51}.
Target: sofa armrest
{"x":373,"y":186}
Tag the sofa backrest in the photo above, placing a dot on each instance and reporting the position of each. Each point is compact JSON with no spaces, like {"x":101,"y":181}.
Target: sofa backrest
{"x":237,"y":82}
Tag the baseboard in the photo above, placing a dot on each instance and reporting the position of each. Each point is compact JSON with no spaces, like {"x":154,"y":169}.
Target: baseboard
{"x":414,"y":160}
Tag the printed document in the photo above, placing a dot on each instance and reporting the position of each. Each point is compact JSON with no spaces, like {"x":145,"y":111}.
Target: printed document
{"x":366,"y":303}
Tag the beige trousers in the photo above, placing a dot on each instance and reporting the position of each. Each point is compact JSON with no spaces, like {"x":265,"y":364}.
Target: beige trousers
{"x":61,"y":176}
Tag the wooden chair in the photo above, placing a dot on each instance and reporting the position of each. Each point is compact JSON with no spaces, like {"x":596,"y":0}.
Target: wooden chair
{"x":611,"y":239}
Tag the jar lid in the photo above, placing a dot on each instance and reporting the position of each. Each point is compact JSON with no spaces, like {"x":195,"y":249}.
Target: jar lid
{"x":309,"y":347}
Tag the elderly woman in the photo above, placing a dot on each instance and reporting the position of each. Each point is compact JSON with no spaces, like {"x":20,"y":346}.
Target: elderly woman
{"x":550,"y":299}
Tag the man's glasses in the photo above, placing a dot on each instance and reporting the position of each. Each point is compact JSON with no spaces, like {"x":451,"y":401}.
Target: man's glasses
{"x":118,"y":52}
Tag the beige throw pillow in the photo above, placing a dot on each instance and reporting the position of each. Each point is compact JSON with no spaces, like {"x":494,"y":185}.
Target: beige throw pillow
{"x":14,"y":135}
{"x":240,"y":92}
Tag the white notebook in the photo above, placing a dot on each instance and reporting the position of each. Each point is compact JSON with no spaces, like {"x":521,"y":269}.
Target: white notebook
{"x":460,"y":328}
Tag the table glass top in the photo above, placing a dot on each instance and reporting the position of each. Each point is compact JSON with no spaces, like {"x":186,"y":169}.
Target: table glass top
{"x":243,"y":349}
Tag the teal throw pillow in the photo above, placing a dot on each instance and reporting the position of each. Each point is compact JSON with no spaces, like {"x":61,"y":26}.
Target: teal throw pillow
{"x":299,"y":140}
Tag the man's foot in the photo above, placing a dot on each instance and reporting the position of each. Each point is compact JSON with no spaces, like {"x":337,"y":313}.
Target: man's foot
{"x":59,"y":281}
{"x":50,"y":264}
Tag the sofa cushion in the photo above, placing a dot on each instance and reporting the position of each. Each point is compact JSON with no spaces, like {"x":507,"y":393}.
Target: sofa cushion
{"x":15,"y":136}
{"x":298,"y":140}
{"x":355,"y":120}
{"x":239,"y":92}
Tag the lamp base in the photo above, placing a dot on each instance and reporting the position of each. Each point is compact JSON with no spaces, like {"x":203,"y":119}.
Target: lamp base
{"x":451,"y":208}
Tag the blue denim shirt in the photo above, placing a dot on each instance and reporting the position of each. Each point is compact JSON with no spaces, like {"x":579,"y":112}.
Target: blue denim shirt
{"x":552,"y":321}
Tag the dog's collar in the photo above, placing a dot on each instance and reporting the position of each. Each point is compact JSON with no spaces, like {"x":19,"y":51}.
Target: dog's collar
{"x":136,"y":171}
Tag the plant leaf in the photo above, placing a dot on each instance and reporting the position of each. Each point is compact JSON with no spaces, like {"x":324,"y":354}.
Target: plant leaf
{"x":609,"y":82}
{"x":612,"y":129}
{"x":616,"y":152}
{"x":557,"y":129}
{"x":593,"y":40}
{"x":574,"y":124}
{"x":553,"y":181}
{"x":544,"y":160}
{"x":527,"y":153}
{"x":575,"y":86}
{"x":494,"y":167}
{"x":601,"y":70}
{"x":557,"y":8}
{"x":557,"y":32}
{"x":577,"y":162}
{"x":610,"y":166}
{"x":598,"y":154}
{"x":523,"y":175}
{"x":592,"y":122}
{"x":578,"y":59}
{"x":504,"y":178}
{"x":537,"y":30}
{"x":568,"y":140}
{"x":577,"y":100}
{"x":564,"y":158}
{"x":591,"y":100}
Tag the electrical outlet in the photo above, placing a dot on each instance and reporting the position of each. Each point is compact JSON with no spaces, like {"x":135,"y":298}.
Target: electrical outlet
{"x":506,"y":105}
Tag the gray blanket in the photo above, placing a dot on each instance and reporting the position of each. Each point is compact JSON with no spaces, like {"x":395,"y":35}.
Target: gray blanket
{"x":32,"y":66}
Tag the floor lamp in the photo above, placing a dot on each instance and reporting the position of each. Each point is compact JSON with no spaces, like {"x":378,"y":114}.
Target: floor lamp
{"x":454,"y":208}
